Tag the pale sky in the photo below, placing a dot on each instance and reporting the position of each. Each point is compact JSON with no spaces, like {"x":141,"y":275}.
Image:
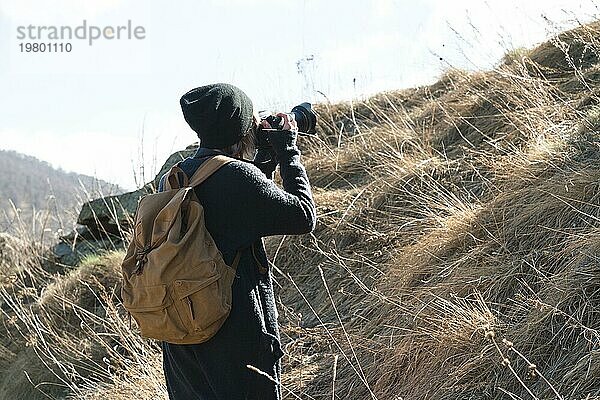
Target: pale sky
{"x":94,"y":109}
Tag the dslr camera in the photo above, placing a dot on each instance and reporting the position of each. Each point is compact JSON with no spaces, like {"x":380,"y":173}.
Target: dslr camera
{"x":303,"y":114}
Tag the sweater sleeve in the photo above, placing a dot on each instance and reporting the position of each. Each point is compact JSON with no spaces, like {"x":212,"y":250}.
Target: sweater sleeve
{"x":270,"y":210}
{"x":266,"y":161}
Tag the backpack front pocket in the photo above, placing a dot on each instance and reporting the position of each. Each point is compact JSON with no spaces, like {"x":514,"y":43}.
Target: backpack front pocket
{"x":152,"y":308}
{"x":202,"y":302}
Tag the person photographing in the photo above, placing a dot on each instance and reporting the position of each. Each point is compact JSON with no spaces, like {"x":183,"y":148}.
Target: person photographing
{"x":241,"y":205}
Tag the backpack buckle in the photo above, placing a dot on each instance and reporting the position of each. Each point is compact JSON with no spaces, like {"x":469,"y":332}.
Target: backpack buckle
{"x":141,"y":258}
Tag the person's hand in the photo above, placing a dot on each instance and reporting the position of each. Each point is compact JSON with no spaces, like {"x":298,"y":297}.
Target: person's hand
{"x":289,"y":122}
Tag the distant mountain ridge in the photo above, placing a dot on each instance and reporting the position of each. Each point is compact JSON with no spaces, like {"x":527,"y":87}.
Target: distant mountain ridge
{"x":34,"y":186}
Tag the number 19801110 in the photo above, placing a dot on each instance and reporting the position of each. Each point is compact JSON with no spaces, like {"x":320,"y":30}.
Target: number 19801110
{"x":45,"y":47}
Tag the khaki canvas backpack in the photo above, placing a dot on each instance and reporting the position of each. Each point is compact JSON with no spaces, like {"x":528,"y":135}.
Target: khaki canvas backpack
{"x":176,"y":284}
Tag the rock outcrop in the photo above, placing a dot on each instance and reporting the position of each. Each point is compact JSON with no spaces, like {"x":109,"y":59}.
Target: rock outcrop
{"x":103,"y":221}
{"x":110,"y":215}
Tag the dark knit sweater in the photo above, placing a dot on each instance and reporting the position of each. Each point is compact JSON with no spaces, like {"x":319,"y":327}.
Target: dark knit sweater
{"x":241,"y":205}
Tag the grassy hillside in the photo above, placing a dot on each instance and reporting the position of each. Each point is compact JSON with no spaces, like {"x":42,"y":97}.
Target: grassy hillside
{"x":38,"y":190}
{"x":455,"y":256}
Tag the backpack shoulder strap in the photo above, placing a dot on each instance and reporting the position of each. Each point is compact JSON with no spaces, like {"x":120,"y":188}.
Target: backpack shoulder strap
{"x":207,"y":168}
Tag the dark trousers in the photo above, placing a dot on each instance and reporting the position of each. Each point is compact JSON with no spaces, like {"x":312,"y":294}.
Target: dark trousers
{"x":217,"y":370}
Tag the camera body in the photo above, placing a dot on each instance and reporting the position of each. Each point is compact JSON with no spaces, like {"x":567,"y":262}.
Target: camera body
{"x":303,"y":114}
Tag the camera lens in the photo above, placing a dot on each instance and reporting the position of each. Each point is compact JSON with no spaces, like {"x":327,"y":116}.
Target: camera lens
{"x":305,"y":118}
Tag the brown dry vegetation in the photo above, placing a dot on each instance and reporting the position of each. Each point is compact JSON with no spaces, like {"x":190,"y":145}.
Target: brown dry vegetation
{"x":456,"y":254}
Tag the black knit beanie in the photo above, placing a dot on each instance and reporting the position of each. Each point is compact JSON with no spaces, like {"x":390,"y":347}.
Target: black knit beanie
{"x":219,"y":113}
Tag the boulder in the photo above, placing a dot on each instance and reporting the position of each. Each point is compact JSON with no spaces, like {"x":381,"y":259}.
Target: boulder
{"x":110,"y":216}
{"x":75,"y":246}
{"x":172,"y":160}
{"x":70,"y":254}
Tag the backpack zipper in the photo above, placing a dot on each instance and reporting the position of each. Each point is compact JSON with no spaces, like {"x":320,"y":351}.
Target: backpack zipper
{"x":191,"y":307}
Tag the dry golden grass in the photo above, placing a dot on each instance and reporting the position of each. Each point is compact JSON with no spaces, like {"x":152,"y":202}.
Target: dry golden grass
{"x":455,"y":256}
